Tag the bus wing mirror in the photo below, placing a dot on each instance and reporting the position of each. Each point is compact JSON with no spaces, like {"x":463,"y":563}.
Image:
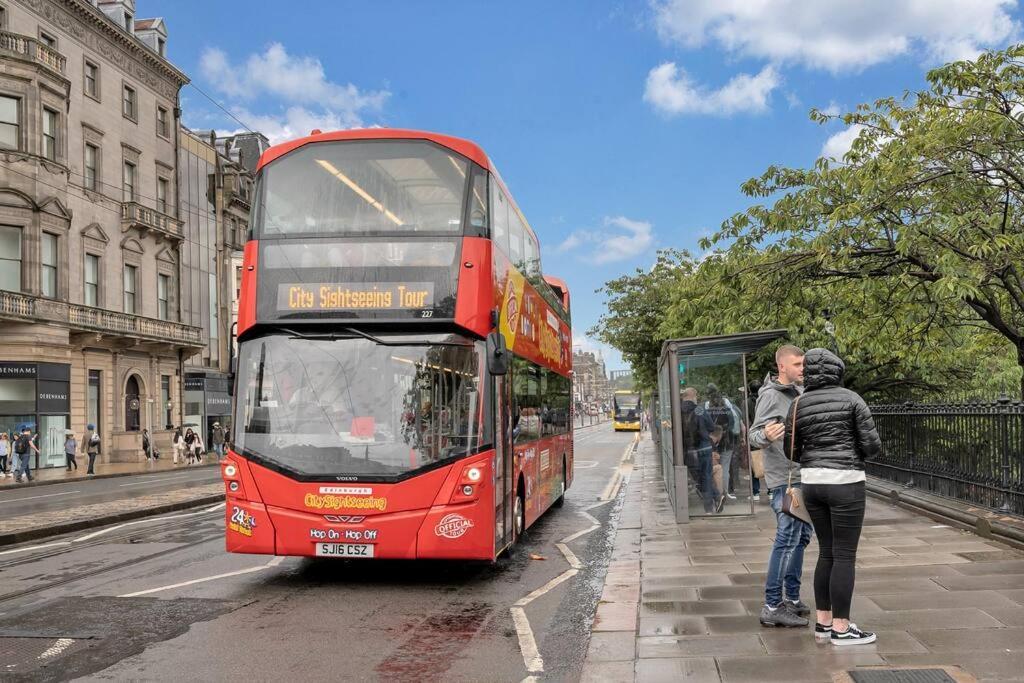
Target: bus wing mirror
{"x":497,"y":353}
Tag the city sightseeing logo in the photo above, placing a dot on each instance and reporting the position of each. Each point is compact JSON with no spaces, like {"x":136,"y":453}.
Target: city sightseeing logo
{"x":453,"y":526}
{"x":330,"y":502}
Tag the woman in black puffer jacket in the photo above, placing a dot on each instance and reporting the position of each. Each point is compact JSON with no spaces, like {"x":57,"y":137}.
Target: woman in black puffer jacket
{"x":834,"y":435}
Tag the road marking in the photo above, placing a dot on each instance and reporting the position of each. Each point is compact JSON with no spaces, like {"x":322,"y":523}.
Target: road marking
{"x":48,"y":495}
{"x":251,"y":570}
{"x":35,"y":547}
{"x":531,"y":655}
{"x":150,"y":482}
{"x":570,"y":556}
{"x":55,"y":649}
{"x":584,"y":464}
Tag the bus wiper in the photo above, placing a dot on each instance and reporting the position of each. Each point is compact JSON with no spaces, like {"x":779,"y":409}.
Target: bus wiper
{"x":353,"y":332}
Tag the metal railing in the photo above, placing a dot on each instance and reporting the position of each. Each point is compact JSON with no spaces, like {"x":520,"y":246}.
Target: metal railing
{"x":135,"y":214}
{"x":30,"y":47}
{"x":582,"y":418}
{"x":34,"y":308}
{"x":971,"y":452}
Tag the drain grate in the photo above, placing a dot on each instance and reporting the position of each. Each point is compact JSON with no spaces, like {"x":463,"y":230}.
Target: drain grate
{"x":901,"y":676}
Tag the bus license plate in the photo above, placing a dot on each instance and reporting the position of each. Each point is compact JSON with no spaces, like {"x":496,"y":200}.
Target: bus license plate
{"x":344,"y":550}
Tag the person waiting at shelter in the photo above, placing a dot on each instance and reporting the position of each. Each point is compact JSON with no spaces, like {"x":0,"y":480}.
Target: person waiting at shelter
{"x":785,"y":564}
{"x":697,"y":427}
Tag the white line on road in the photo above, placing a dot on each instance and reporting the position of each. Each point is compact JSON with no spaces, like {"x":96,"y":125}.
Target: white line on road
{"x":48,"y":495}
{"x":273,"y":563}
{"x":531,"y":655}
{"x":55,"y":649}
{"x":164,"y":518}
{"x":150,"y":482}
{"x":581,"y":532}
{"x":570,"y":556}
{"x":35,"y":547}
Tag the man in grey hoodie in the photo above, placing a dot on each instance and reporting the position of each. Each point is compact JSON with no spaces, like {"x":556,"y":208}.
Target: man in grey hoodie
{"x":785,"y":566}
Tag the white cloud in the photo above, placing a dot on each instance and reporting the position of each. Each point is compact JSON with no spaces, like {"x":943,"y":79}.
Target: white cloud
{"x":630,"y":239}
{"x":671,"y":90}
{"x":839,"y":144}
{"x":838,"y":35}
{"x":833,"y":109}
{"x":296,"y":86}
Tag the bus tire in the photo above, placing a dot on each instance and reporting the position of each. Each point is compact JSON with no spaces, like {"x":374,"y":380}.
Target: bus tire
{"x":519,"y":513}
{"x":560,"y":501}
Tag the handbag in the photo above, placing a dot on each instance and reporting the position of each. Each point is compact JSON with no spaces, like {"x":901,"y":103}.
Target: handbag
{"x":793,"y":499}
{"x":757,"y":463}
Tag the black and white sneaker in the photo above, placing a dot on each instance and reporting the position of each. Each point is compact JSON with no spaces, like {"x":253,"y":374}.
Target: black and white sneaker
{"x":852,"y":636}
{"x":822,"y":631}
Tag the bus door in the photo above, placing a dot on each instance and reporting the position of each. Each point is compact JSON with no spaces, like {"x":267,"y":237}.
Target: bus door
{"x":504,"y":481}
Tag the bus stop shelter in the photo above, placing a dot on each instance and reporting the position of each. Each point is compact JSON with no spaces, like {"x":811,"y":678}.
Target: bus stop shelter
{"x":703,"y":413}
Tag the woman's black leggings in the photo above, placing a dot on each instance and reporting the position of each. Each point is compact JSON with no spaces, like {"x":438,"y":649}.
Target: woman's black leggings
{"x":837,"y":511}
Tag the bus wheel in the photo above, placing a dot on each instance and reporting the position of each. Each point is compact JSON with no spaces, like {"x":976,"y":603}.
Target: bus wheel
{"x":519,"y":511}
{"x":561,"y":498}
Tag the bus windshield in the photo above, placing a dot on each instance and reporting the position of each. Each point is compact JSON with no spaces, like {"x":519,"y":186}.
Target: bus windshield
{"x":627,"y":401}
{"x":353,"y":409}
{"x":379,"y":187}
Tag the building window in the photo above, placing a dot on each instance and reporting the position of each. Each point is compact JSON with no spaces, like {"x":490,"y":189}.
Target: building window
{"x":3,"y":17}
{"x":92,"y":167}
{"x":161,"y":47}
{"x":128,"y":182}
{"x":49,"y":262}
{"x":165,"y":397}
{"x":163,"y":128}
{"x":161,"y":194}
{"x":129,"y":107}
{"x":10,"y":258}
{"x":50,"y":134}
{"x":130,"y":288}
{"x":93,"y":414}
{"x":92,"y":80}
{"x":214,"y":321}
{"x":47,"y":40}
{"x":129,"y":22}
{"x":10,"y":122}
{"x":92,"y":280}
{"x":163,"y":289}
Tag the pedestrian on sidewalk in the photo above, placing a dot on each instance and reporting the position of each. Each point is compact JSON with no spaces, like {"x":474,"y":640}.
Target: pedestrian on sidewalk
{"x":70,"y":448}
{"x":218,"y":440}
{"x":190,"y":440}
{"x":24,"y":447}
{"x":5,"y":452}
{"x":830,"y":432}
{"x":786,"y":563}
{"x":92,"y":446}
{"x":178,"y":444}
{"x":147,"y":447}
{"x":198,"y":446}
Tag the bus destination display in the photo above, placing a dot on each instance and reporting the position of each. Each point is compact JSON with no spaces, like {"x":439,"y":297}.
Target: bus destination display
{"x":354,"y":296}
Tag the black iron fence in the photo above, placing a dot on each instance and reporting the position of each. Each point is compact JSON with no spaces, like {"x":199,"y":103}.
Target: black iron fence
{"x":972,"y":452}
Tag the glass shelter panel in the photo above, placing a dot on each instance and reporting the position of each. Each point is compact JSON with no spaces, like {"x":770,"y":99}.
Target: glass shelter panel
{"x":713,"y":423}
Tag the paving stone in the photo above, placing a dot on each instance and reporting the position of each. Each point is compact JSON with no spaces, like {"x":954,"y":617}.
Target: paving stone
{"x":697,"y":607}
{"x":731,"y":592}
{"x":1017,"y":595}
{"x":747,"y":579}
{"x":860,"y":606}
{"x":607,"y":672}
{"x":982,"y":568}
{"x":1006,"y":666}
{"x":907,"y":572}
{"x":801,"y":641}
{"x":733,"y":624}
{"x":911,"y":560}
{"x":724,"y":570}
{"x":670,"y":594}
{"x":697,"y":646}
{"x":697,"y":669}
{"x":991,"y":555}
{"x":932,"y":600}
{"x":896,"y":586}
{"x":956,"y":547}
{"x":616,"y":646}
{"x":791,"y":668}
{"x":671,"y":625}
{"x":998,"y":640}
{"x":994,"y":582}
{"x":1012,"y":616}
{"x":959,"y":618}
{"x":615,"y":616}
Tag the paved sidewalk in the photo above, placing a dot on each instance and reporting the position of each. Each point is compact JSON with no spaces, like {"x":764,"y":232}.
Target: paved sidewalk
{"x":59,"y":475}
{"x":680,"y":602}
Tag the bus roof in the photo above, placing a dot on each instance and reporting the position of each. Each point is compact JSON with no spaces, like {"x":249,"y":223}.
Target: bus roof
{"x":466,"y":148}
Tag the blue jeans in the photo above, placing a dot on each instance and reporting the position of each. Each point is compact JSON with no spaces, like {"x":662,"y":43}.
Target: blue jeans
{"x":24,"y":467}
{"x":786,"y":564}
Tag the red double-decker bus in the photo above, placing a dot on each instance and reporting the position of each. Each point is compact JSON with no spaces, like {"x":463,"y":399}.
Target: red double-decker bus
{"x":402,"y":382}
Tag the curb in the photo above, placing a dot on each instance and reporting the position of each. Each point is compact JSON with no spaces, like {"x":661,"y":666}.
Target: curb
{"x":114,"y":475}
{"x":934,"y":508}
{"x":113,"y":518}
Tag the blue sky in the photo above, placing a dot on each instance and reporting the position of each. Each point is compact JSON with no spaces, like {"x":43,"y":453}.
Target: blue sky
{"x":620,"y":127}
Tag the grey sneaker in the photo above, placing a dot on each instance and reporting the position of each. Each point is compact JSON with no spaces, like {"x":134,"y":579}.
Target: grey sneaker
{"x":797,"y":607}
{"x":781,"y":616}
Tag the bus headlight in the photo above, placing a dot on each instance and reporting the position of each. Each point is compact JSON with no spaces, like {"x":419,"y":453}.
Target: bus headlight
{"x":230,"y":470}
{"x":473,"y":474}
{"x":233,"y":486}
{"x":467,"y":490}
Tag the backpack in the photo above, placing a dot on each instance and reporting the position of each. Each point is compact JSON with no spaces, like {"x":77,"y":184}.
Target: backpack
{"x":691,"y":430}
{"x":21,"y":445}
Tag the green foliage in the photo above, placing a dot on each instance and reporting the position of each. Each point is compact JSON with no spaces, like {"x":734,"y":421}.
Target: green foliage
{"x":912,"y":246}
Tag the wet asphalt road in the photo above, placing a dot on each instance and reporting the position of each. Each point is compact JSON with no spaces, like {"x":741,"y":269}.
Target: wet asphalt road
{"x":24,"y":500}
{"x":159,"y":599}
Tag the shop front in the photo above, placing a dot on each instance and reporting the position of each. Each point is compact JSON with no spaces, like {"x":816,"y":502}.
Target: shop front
{"x":207,"y":402}
{"x":37,"y":395}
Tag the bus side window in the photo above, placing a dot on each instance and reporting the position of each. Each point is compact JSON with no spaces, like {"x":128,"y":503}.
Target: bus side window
{"x":499,"y":218}
{"x":516,"y":235}
{"x":478,"y":204}
{"x":532,"y":254}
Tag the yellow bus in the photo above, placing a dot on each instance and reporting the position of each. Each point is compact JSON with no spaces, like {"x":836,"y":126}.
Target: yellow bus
{"x":626,"y":409}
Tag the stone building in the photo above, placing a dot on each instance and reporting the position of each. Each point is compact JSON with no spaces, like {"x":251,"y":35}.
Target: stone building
{"x":94,"y":323}
{"x":590,"y":379}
